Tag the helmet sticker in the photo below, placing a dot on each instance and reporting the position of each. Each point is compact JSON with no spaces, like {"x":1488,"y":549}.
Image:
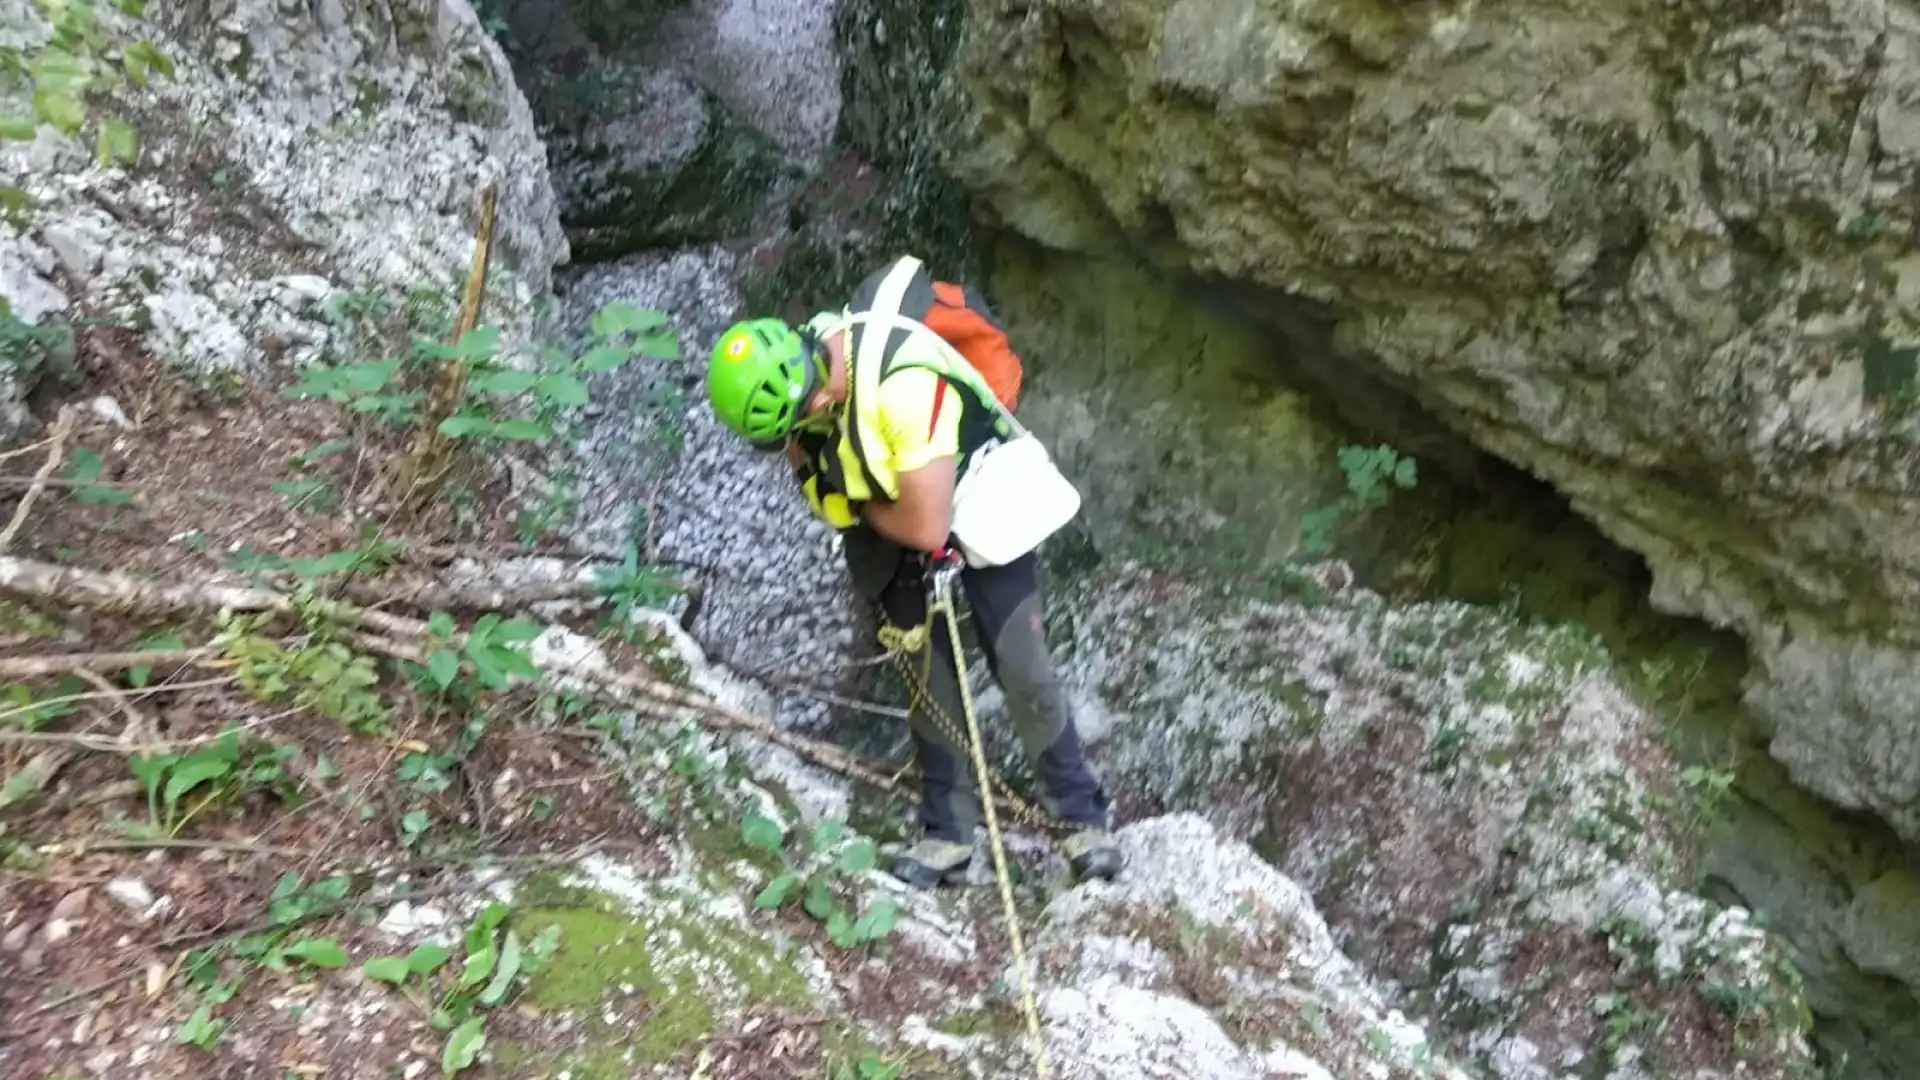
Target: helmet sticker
{"x":738,"y":347}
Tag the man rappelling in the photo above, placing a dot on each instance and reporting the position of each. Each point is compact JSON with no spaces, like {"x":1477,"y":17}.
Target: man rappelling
{"x":907,"y":446}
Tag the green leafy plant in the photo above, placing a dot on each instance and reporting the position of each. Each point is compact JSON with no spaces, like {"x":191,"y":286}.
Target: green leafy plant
{"x":29,"y":349}
{"x":326,"y":676}
{"x":217,"y":973}
{"x":83,"y":472}
{"x":209,"y":771}
{"x":501,"y":402}
{"x":630,"y":585}
{"x":66,"y":71}
{"x":1372,"y":473}
{"x":819,"y":877}
{"x":496,"y":959}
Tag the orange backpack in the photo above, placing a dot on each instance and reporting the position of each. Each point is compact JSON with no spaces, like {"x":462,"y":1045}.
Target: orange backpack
{"x":960,"y":315}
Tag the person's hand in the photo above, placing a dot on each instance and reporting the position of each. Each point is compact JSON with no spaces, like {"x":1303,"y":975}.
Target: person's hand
{"x":795,"y":456}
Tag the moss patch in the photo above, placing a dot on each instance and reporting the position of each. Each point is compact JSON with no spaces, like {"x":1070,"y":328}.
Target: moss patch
{"x":685,"y":973}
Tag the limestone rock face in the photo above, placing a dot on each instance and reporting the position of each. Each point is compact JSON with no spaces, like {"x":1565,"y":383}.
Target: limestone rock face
{"x":1655,"y":254}
{"x":300,"y":152}
{"x":1484,"y":813}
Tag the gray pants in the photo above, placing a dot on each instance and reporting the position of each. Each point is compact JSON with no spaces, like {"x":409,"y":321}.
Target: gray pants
{"x":1008,"y":617}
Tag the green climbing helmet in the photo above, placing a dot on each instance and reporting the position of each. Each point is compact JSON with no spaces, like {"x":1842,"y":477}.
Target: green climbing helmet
{"x":759,"y":377}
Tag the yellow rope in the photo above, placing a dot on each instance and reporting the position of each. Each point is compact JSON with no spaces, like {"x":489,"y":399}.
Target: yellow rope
{"x":903,"y":642}
{"x":943,"y":604}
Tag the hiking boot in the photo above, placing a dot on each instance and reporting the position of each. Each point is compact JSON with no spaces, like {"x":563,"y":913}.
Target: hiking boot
{"x":931,"y":863}
{"x":1092,"y":854}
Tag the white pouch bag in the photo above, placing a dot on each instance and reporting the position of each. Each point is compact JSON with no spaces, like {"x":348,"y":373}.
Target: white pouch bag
{"x":1011,"y":499}
{"x":1012,"y":496}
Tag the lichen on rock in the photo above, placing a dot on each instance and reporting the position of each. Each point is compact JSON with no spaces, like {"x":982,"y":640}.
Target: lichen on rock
{"x":1488,"y":817}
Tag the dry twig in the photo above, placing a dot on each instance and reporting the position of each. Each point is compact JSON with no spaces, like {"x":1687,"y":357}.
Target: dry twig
{"x":62,"y":430}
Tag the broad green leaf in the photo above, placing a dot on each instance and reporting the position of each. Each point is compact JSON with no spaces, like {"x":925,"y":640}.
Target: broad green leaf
{"x":464,"y":424}
{"x":479,"y":964}
{"x":762,"y":832}
{"x":603,"y":358}
{"x":84,"y":466}
{"x":96,"y":493}
{"x":504,"y":381}
{"x":485,"y":923}
{"x":840,"y":928}
{"x":463,"y":1046}
{"x":819,"y":902}
{"x":117,"y":141}
{"x":881,"y":918}
{"x":191,"y":774}
{"x":387,"y":969}
{"x":479,"y":342}
{"x":776,"y":892}
{"x":425,"y":959}
{"x":526,"y":430}
{"x":858,"y":856}
{"x":515,"y":663}
{"x":562,"y":389}
{"x":57,"y":71}
{"x":617,"y":318}
{"x":444,"y":667}
{"x":18,"y":129}
{"x":503,"y":975}
{"x":440,"y":624}
{"x":320,"y":952}
{"x":661,"y":346}
{"x":826,"y":834}
{"x":486,"y":665}
{"x":369,"y":375}
{"x":517,"y":630}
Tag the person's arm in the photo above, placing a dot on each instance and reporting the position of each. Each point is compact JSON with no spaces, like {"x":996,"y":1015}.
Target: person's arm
{"x":922,"y":517}
{"x":920,"y":422}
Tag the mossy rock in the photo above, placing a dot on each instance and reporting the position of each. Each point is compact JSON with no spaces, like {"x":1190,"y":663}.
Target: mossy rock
{"x":689,"y":972}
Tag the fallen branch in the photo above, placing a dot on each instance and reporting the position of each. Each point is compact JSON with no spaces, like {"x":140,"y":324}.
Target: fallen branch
{"x":32,"y":667}
{"x":481,"y":598}
{"x":81,"y":847}
{"x":62,"y":430}
{"x":21,"y":451}
{"x":395,"y":636}
{"x":664,"y":701}
{"x":119,"y":594}
{"x":124,"y":745}
{"x":139,"y":729}
{"x":95,"y":695}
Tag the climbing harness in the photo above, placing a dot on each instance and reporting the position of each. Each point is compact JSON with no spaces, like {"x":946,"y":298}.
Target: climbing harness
{"x":940,"y":606}
{"x":900,"y":644}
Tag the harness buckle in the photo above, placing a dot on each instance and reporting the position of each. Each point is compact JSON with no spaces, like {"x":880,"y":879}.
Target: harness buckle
{"x":943,"y":568}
